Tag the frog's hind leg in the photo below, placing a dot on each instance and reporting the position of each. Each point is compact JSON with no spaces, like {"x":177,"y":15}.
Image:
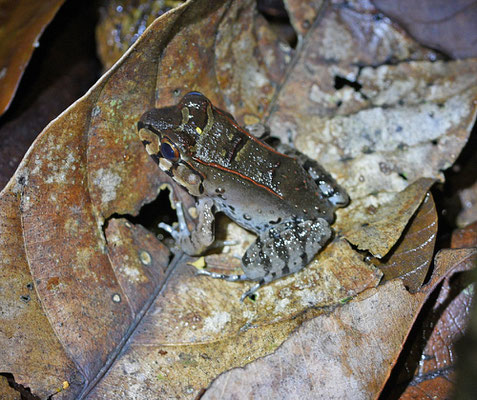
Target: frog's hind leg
{"x":236,"y":278}
{"x":328,"y":186}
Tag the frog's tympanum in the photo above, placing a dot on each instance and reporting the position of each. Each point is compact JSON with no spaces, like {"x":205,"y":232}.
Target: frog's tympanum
{"x":269,"y":188}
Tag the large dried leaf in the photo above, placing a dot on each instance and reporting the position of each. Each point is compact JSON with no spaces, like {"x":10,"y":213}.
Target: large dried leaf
{"x":99,"y":283}
{"x":357,"y":346}
{"x":21,"y":24}
{"x":388,"y":126}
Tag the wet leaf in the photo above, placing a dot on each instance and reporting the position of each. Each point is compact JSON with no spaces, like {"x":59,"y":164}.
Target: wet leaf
{"x":22,"y":23}
{"x":118,"y":324}
{"x":465,"y":237}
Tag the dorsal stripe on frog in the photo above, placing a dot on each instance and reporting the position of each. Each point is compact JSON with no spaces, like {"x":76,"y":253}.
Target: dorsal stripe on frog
{"x":218,"y":166}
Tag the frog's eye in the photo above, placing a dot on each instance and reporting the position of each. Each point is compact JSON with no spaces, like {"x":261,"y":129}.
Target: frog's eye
{"x":169,"y":150}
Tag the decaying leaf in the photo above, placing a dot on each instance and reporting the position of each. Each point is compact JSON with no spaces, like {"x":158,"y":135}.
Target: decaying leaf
{"x":105,"y":306}
{"x":22,"y":22}
{"x":122,"y":22}
{"x":448,"y":27}
{"x":411,"y":257}
{"x":347,"y":354}
{"x":432,"y":356}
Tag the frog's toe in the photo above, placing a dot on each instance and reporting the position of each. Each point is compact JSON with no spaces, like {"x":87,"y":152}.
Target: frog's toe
{"x":252,"y":290}
{"x":171,"y":230}
{"x":339,"y":199}
{"x":168,"y":228}
{"x":215,"y":275}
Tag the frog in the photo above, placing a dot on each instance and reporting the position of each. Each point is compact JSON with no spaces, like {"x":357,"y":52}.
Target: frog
{"x":268,"y":187}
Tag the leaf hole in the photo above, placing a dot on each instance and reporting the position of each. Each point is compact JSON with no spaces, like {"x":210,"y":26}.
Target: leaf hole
{"x":341,"y":82}
{"x":25,"y":392}
{"x":403,"y":175}
{"x":159,"y":210}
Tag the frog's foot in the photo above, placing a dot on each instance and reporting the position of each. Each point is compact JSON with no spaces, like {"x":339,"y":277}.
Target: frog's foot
{"x":233,"y":278}
{"x":181,"y":229}
{"x":252,"y":290}
{"x":195,"y":241}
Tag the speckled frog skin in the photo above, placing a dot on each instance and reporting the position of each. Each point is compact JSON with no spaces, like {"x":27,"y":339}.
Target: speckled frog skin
{"x":269,"y":188}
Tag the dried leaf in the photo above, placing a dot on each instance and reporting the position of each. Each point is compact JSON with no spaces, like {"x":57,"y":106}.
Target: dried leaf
{"x":26,"y":334}
{"x":410,"y":259}
{"x":94,"y":284}
{"x":432,"y":352}
{"x":375,"y":223}
{"x":122,"y":22}
{"x":358,"y":345}
{"x":446,"y":26}
{"x":50,"y":86}
{"x":22,"y":22}
{"x":387,"y":125}
{"x":7,"y":391}
{"x":465,"y":237}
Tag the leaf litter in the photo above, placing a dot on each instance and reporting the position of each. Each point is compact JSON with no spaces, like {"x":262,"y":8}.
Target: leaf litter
{"x":375,"y":136}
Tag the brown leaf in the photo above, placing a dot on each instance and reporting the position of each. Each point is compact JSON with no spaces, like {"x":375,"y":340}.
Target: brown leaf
{"x":22,"y":23}
{"x":7,"y":391}
{"x":432,"y":349}
{"x":358,"y":345}
{"x":377,"y":128}
{"x":26,"y":334}
{"x":94,"y":284}
{"x":375,"y":223}
{"x":122,"y":22}
{"x":410,"y":259}
{"x":432,"y":387}
{"x":197,"y":328}
{"x":465,"y":237}
{"x":446,"y":26}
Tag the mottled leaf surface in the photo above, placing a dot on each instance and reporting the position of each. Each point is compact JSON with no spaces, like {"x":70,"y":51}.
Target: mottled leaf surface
{"x":357,"y":94}
{"x":433,"y":367}
{"x":358,"y":345}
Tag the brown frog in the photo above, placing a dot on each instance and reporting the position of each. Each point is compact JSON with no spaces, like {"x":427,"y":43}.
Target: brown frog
{"x":269,"y":188}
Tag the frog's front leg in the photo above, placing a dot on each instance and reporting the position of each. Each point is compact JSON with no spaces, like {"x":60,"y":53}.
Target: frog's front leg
{"x":197,"y":240}
{"x":279,"y":251}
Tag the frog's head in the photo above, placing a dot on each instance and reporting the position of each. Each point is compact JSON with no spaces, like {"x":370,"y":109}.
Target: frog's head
{"x":170,"y":134}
